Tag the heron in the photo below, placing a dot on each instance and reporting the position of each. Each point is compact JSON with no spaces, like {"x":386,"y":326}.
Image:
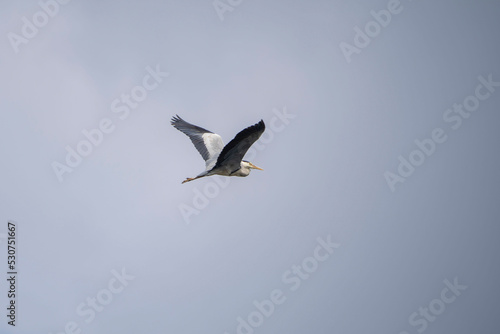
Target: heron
{"x":219,"y":159}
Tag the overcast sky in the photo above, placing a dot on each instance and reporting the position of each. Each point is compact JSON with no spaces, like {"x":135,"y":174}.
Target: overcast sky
{"x":378,"y":207}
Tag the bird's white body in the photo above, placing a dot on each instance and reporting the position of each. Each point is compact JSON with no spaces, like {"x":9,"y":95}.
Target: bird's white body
{"x":244,"y":170}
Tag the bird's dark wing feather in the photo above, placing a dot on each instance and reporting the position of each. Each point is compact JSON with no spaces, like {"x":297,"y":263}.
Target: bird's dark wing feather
{"x":235,"y":150}
{"x":195,"y":133}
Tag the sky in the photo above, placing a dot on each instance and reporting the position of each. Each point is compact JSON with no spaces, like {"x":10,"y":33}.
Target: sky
{"x":377,"y":210}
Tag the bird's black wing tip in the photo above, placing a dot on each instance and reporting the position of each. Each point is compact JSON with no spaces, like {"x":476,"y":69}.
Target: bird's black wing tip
{"x":175,"y":119}
{"x":260,"y":125}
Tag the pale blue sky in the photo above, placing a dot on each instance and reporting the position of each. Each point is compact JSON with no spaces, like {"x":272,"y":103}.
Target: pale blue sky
{"x":201,"y":253}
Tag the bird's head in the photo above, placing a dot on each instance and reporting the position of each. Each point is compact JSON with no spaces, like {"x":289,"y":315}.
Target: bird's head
{"x":249,"y":165}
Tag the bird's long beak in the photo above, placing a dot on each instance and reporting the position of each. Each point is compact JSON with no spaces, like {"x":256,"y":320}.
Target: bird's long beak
{"x":255,"y":167}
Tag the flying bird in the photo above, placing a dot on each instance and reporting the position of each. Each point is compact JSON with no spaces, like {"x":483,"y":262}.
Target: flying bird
{"x":219,"y":159}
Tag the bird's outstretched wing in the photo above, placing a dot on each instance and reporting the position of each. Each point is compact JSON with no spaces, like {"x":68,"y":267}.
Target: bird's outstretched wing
{"x":209,"y":144}
{"x":235,"y":150}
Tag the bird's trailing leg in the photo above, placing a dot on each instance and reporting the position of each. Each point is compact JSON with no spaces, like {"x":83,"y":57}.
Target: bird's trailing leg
{"x":192,"y":179}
